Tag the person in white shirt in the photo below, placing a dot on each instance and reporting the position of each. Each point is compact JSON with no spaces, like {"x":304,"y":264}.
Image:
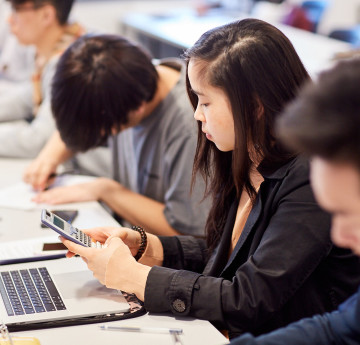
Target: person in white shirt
{"x":16,"y":60}
{"x":26,"y":121}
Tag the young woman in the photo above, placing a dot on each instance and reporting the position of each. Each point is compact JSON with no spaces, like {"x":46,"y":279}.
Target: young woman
{"x":268,"y":259}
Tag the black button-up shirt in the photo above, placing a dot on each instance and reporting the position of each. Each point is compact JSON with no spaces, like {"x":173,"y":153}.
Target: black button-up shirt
{"x":284,"y":266}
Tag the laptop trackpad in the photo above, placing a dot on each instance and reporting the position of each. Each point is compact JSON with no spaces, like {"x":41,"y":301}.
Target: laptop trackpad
{"x":81,"y":284}
{"x":84,"y":294}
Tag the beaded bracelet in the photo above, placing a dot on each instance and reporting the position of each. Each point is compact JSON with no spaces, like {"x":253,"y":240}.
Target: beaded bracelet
{"x":143,"y":243}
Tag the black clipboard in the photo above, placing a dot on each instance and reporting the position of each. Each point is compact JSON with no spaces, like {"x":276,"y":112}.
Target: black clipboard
{"x":136,"y":309}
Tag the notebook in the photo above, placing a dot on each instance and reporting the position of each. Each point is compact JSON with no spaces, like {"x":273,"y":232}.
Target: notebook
{"x":53,"y":290}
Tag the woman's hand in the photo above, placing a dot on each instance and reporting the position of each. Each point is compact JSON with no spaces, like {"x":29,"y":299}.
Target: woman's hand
{"x":101,"y":234}
{"x":98,"y":258}
{"x":113,"y":265}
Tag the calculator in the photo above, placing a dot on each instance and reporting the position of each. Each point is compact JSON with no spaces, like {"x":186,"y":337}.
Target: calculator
{"x":66,"y":230}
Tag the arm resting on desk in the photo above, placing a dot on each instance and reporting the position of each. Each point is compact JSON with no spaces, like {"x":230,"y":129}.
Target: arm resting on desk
{"x":52,"y":155}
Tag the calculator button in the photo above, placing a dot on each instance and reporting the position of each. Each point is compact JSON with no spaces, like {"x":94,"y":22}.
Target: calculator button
{"x":73,"y":231}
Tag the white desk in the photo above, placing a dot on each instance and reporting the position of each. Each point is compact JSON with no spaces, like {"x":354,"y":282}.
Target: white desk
{"x":182,"y":28}
{"x":195,"y":332}
{"x":25,"y":224}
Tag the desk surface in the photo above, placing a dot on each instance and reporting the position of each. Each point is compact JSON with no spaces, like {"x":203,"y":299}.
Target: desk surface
{"x":183,"y":28}
{"x":195,"y":332}
{"x":15,"y":224}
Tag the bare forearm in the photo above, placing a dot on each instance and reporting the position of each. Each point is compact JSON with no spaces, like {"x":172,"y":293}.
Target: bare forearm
{"x":135,"y":208}
{"x":54,"y":153}
{"x":55,"y":150}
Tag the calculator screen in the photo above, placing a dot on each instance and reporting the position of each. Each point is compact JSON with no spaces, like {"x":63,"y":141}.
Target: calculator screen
{"x":58,"y":222}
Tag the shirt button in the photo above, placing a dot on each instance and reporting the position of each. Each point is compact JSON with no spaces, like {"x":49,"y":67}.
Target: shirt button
{"x":179,"y":305}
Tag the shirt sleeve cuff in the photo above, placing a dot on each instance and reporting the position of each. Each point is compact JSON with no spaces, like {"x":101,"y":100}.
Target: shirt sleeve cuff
{"x":170,"y":290}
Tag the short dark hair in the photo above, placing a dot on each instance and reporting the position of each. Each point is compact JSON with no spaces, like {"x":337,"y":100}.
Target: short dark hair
{"x":98,"y":81}
{"x":256,"y":65}
{"x":325,"y":119}
{"x":62,"y":7}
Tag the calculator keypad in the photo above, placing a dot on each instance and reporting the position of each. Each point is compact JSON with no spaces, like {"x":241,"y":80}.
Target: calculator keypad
{"x":85,"y":239}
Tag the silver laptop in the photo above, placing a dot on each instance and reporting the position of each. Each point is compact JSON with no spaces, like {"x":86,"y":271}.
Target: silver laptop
{"x":54,"y":290}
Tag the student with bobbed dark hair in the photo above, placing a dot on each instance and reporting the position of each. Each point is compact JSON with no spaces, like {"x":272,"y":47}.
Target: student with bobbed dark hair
{"x":26,"y":121}
{"x":324,"y":123}
{"x":108,"y":87}
{"x":268,"y":259}
{"x":108,"y":102}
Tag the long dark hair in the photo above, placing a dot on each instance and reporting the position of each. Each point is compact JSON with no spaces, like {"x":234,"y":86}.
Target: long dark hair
{"x":257,"y":67}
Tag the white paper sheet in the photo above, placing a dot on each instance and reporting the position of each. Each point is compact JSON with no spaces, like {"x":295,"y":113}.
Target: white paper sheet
{"x":19,"y":196}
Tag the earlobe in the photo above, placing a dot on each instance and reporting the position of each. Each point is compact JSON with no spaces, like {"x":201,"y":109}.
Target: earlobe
{"x":259,"y":110}
{"x":141,"y":109}
{"x":48,"y":15}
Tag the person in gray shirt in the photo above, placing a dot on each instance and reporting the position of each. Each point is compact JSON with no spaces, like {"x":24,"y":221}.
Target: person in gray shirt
{"x":107,"y":88}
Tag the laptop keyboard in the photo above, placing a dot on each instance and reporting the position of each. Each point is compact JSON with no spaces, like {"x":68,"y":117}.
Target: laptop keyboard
{"x":29,"y":291}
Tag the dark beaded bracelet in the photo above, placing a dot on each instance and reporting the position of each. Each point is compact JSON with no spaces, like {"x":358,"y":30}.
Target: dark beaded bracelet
{"x":143,"y":243}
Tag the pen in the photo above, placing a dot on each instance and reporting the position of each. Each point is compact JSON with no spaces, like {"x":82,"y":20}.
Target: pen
{"x":53,"y":175}
{"x":65,"y":172}
{"x":176,"y":338}
{"x":142,"y":329}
